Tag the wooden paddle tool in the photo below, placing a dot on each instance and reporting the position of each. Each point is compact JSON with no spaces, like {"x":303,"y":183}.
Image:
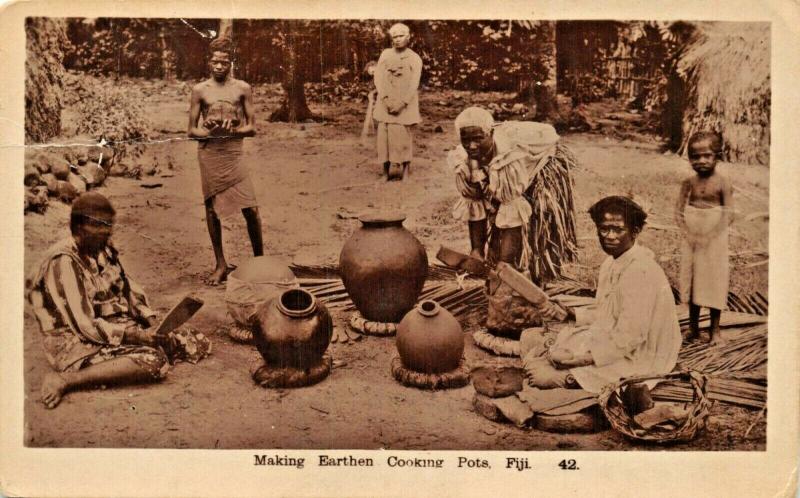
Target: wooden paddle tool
{"x":179,"y":314}
{"x":465,"y":262}
{"x":514,"y":279}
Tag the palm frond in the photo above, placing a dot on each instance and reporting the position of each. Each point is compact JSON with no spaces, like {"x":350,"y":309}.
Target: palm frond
{"x":552,"y":237}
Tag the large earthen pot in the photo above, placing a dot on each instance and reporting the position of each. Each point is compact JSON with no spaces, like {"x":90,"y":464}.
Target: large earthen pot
{"x":430,"y":339}
{"x":292,"y":330}
{"x":255,"y":282}
{"x":383,"y":268}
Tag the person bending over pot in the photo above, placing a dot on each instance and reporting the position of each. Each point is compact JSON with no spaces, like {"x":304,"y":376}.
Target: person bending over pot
{"x":632,"y":327}
{"x":516,"y":198}
{"x":97,"y":325}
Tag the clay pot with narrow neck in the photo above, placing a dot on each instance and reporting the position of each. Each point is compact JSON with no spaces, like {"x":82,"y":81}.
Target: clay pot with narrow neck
{"x":430,"y":339}
{"x":292,"y":330}
{"x":383,"y":268}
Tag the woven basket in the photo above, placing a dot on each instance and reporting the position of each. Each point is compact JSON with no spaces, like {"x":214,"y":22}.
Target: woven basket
{"x":620,"y":420}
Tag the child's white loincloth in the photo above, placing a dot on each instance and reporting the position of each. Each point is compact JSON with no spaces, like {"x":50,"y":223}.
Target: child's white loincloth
{"x":704,"y":257}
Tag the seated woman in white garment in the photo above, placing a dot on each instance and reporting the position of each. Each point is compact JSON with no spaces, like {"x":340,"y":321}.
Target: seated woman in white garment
{"x":632,"y":327}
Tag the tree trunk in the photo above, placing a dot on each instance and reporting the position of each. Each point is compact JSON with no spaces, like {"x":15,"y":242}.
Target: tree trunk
{"x":226,"y":31}
{"x":44,"y":74}
{"x":167,"y":58}
{"x":544,"y":94}
{"x":226,"y":28}
{"x":672,"y":114}
{"x":294,"y":108}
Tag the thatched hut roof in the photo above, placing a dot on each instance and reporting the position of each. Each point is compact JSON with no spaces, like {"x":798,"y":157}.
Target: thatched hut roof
{"x":726,"y":69}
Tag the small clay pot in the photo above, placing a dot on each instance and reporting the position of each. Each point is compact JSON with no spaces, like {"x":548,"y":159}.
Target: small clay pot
{"x":292,"y":330}
{"x":60,"y":169}
{"x":32,"y":177}
{"x":430,"y":339}
{"x":93,"y":174}
{"x":66,"y":192}
{"x":51,"y":182}
{"x":383,"y":267}
{"x":78,"y":182}
{"x":106,"y":153}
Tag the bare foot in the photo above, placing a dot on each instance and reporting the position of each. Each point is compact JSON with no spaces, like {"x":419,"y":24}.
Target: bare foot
{"x":718,"y":340}
{"x":53,"y":388}
{"x":219,"y":275}
{"x":476,"y":253}
{"x":690,"y":335}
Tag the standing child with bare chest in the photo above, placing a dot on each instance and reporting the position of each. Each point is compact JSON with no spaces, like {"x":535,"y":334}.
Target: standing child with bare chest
{"x":704,"y":212}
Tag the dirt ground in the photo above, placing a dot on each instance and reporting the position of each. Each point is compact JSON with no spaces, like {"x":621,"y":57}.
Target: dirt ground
{"x":310,"y":178}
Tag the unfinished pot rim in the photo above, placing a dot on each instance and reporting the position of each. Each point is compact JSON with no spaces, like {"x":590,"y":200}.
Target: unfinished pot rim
{"x":382,"y":218}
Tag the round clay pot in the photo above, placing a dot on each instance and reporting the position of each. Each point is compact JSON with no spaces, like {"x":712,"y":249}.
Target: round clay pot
{"x":32,"y":176}
{"x":60,"y":169}
{"x":255,"y":282}
{"x":65,"y":191}
{"x":383,"y":268}
{"x":430,"y":339}
{"x":77,"y":182}
{"x":52,"y":184}
{"x":292,"y":330}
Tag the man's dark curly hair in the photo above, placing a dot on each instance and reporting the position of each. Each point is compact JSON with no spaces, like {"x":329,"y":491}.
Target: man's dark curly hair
{"x":221,"y":44}
{"x":633,"y":214}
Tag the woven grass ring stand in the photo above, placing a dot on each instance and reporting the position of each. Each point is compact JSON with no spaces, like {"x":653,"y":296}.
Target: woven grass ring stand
{"x":367,"y":327}
{"x":501,"y":346}
{"x":700,"y":406}
{"x":433,"y":381}
{"x":288,"y":377}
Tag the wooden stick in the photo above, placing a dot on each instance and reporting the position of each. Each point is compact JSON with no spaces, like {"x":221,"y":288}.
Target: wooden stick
{"x":368,"y":127}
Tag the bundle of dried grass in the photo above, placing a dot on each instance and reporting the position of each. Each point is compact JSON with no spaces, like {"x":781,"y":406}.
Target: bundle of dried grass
{"x":726,"y":70}
{"x":552,"y":236}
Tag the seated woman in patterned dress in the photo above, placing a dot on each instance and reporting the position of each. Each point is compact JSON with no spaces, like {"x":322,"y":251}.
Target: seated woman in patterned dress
{"x":97,"y":325}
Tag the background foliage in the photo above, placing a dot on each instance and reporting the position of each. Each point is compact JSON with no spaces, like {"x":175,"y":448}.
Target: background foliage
{"x":491,"y":55}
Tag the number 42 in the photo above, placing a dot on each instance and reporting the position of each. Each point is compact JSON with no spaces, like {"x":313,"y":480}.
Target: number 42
{"x":568,"y":465}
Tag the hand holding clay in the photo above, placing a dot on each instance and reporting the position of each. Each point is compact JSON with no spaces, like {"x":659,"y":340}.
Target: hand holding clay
{"x":394,"y":106}
{"x":562,"y":358}
{"x":551,"y":311}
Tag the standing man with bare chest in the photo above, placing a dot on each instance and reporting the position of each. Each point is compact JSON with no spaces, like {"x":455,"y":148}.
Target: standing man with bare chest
{"x":226,"y":107}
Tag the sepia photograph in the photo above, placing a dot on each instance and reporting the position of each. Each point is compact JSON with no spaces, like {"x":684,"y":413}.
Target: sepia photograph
{"x":328,"y":249}
{"x":401,"y":234}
